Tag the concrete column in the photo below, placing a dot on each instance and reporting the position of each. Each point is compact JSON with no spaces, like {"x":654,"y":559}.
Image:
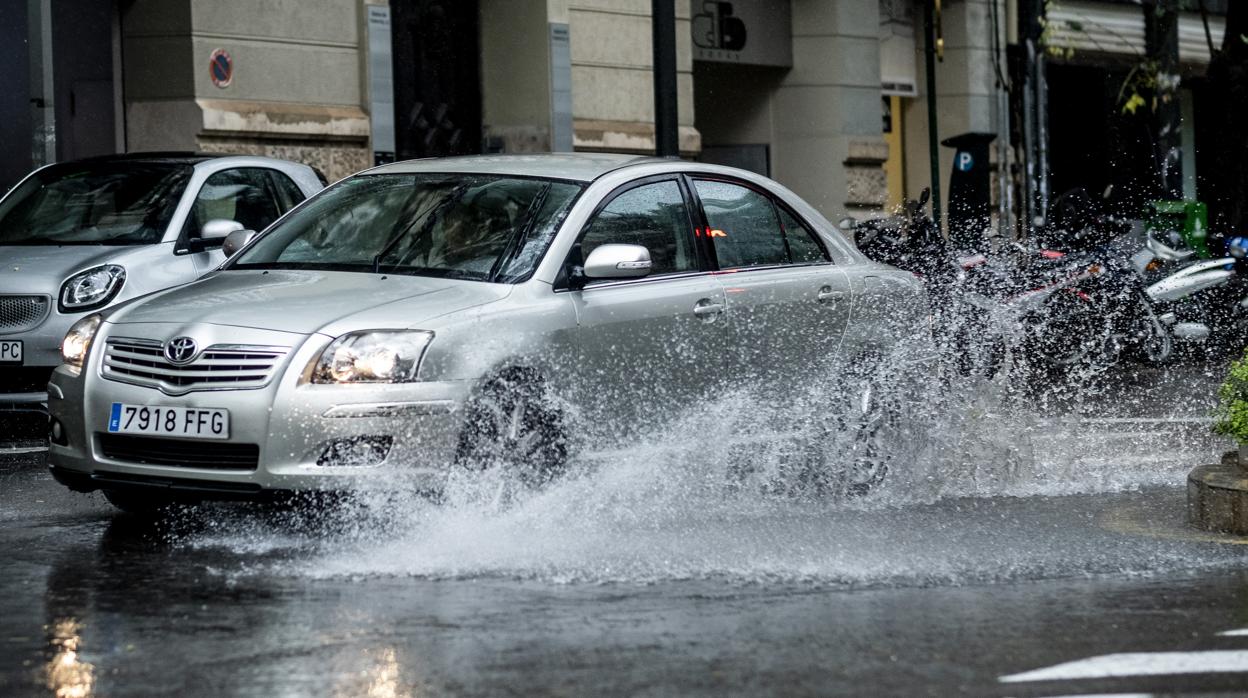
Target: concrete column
{"x":964,"y":88}
{"x":612,"y":76}
{"x":827,"y":142}
{"x":516,"y":75}
{"x":296,"y":90}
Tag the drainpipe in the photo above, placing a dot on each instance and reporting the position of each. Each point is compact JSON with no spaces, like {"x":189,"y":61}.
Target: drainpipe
{"x":1161,"y":24}
{"x":1042,"y":135}
{"x":933,"y":141}
{"x":42,"y":89}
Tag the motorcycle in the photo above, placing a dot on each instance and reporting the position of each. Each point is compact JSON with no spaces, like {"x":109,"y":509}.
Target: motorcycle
{"x":1208,"y":299}
{"x":1050,"y":309}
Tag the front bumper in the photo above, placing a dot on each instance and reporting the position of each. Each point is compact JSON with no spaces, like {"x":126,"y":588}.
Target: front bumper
{"x":293,"y":426}
{"x":24,"y":387}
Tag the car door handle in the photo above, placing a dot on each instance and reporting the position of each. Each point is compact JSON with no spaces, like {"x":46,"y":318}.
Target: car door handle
{"x":827,"y":295}
{"x":706,"y":307}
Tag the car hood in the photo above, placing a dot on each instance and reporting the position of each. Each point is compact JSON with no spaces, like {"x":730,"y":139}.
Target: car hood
{"x":304,"y":302}
{"x":42,"y":269}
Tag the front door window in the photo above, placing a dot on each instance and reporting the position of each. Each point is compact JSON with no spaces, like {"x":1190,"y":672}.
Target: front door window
{"x":651,"y":215}
{"x":246,"y":195}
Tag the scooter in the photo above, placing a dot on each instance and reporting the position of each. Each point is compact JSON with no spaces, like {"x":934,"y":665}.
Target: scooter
{"x":1208,"y":299}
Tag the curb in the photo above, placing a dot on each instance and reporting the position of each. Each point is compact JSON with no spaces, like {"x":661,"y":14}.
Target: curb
{"x":1217,"y":497}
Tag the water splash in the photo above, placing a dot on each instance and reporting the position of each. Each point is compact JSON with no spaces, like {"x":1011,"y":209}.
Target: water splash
{"x":975,"y":468}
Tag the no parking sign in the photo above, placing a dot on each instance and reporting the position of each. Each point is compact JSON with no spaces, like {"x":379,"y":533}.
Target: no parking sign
{"x":221,"y":68}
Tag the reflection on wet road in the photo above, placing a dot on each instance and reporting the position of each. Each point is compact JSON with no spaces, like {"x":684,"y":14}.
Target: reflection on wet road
{"x":1023,"y":546}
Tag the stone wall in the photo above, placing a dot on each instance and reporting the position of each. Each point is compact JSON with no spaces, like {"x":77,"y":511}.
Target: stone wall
{"x":296,"y":91}
{"x":613,"y":78}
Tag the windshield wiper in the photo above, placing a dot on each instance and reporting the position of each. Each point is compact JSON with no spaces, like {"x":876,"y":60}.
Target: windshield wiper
{"x":522,"y":233}
{"x":452,"y":196}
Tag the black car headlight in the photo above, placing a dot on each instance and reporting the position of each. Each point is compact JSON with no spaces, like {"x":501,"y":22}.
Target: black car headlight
{"x":92,"y":288}
{"x":374,"y":356}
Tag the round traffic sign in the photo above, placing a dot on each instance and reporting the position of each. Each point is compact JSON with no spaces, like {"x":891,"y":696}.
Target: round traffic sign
{"x":221,"y":68}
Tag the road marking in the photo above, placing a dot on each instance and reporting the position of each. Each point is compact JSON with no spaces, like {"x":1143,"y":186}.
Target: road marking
{"x":1130,"y":664}
{"x":1242,"y":632}
{"x":16,"y":451}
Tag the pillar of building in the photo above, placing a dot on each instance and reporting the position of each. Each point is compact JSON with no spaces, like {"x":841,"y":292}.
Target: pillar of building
{"x":613,"y":76}
{"x":827,"y":142}
{"x":294,"y":90}
{"x":965,"y":91}
{"x":524,"y":46}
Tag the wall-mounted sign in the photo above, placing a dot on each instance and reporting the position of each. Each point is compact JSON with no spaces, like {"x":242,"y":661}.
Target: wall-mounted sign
{"x":221,"y":68}
{"x":381,"y":83}
{"x":748,"y":32}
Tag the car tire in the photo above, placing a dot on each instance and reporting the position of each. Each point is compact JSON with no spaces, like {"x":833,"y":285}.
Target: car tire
{"x":137,"y":503}
{"x":846,"y":454}
{"x":515,"y":425}
{"x":873,"y":417}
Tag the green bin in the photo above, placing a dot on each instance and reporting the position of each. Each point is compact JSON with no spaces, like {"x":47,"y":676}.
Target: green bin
{"x":1179,"y":224}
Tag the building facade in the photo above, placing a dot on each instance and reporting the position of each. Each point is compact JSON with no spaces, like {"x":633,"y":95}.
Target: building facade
{"x":827,"y":96}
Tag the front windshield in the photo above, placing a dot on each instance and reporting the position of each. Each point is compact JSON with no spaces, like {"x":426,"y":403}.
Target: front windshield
{"x":477,"y":227}
{"x":105,"y":203}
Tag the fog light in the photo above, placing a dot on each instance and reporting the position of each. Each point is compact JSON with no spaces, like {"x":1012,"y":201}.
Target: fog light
{"x":357,"y":451}
{"x":56,"y":432}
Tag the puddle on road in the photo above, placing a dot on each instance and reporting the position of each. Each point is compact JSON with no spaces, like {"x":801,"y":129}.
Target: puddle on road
{"x":973,"y":498}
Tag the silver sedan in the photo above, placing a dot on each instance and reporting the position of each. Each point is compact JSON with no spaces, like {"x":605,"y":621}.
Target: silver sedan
{"x":474,"y":312}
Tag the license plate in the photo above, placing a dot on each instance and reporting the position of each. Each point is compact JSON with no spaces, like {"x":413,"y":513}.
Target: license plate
{"x":10,"y":351}
{"x":186,"y":422}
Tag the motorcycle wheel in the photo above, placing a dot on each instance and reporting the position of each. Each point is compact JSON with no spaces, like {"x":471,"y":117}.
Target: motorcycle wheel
{"x":1068,"y":334}
{"x":1152,"y":340}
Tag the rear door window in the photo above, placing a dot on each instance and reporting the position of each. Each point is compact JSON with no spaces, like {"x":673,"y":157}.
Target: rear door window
{"x":743,"y":226}
{"x":804,"y":247}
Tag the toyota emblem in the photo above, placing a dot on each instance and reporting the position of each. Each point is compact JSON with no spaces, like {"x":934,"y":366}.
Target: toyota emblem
{"x":180,"y":350}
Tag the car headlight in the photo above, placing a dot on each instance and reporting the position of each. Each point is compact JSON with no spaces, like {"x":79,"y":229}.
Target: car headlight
{"x":92,"y":288}
{"x":77,"y":342}
{"x":375,"y":356}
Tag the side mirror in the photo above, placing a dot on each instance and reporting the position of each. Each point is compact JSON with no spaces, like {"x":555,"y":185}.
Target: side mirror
{"x":848,"y":223}
{"x":618,"y":262}
{"x":236,"y":241}
{"x":218,"y":229}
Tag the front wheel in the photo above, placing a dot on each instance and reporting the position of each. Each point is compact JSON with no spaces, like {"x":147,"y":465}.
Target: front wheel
{"x":515,"y":425}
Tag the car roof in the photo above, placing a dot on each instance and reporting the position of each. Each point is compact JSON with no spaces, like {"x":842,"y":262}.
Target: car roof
{"x":187,"y":157}
{"x":581,"y":167}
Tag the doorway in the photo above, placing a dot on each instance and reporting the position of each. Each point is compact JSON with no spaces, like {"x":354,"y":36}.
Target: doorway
{"x":437,"y":78}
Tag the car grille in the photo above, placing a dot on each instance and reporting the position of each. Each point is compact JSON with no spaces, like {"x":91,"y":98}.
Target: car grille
{"x":20,"y":313}
{"x":219,"y":367}
{"x":25,"y":379}
{"x":146,"y":450}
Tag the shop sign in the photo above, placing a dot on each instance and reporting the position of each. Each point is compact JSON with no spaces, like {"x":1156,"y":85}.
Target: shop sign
{"x":747,"y":32}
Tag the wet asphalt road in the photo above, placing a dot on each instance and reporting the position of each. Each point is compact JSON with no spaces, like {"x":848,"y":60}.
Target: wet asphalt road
{"x":949,"y":596}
